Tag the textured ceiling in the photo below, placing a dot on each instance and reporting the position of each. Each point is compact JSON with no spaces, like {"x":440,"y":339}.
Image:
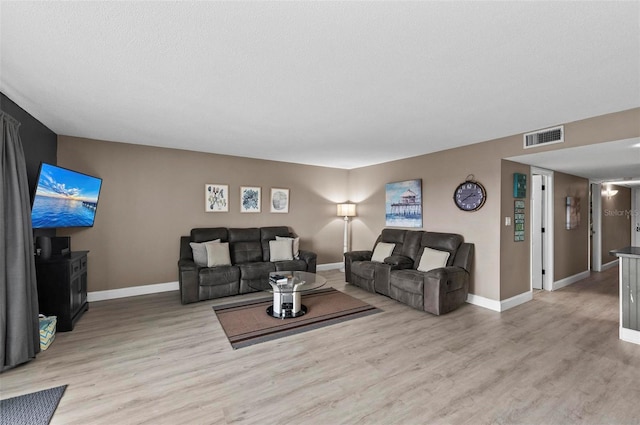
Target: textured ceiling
{"x":339,"y":84}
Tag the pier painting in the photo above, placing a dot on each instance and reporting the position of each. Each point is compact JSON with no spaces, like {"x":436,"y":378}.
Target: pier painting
{"x":403,"y":204}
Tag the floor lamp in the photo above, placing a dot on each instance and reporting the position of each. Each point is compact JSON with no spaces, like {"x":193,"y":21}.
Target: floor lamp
{"x":346,"y":211}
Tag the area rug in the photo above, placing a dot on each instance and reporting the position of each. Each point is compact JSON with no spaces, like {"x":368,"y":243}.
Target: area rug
{"x":31,"y":409}
{"x":247,"y":323}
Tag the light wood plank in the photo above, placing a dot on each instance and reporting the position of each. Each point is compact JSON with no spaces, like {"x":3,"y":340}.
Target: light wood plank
{"x":150,"y":360}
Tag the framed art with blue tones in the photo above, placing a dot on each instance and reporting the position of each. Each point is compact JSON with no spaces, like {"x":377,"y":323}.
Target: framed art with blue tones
{"x":403,"y":204}
{"x":250,"y":199}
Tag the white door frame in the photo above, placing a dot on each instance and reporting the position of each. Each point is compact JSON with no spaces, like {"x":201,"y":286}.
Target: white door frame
{"x":635,"y":216}
{"x":547,"y":236}
{"x":596,"y":227}
{"x":537,"y":209}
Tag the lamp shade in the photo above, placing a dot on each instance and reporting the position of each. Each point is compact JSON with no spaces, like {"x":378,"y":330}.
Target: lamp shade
{"x":346,"y":210}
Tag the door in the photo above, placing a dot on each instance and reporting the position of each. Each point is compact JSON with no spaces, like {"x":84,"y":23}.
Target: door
{"x":635,"y":216}
{"x":595,"y":231}
{"x":537,"y":246}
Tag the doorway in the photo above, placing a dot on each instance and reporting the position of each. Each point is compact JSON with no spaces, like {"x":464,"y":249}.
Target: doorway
{"x":595,"y":227}
{"x":541,"y":229}
{"x":635,"y":216}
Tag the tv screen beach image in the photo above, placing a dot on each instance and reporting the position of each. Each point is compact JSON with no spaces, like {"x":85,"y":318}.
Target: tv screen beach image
{"x":64,"y":198}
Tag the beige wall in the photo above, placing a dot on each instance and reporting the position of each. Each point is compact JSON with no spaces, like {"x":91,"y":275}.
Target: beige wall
{"x":440,"y":173}
{"x":152,"y":196}
{"x":514,"y":256}
{"x":616,"y":222}
{"x":571,"y":247}
{"x":501,"y":267}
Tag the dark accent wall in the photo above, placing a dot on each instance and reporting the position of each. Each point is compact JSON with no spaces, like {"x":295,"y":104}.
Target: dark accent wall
{"x":40,"y":144}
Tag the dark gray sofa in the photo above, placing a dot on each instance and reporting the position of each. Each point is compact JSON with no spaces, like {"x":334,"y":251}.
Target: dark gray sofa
{"x":250,"y":261}
{"x":436,"y":291}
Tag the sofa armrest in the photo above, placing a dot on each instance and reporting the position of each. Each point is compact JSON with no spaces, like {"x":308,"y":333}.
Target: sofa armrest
{"x":438,"y":283}
{"x":352,"y":256}
{"x":399,"y":262}
{"x":358,"y":255}
{"x":310,"y":258}
{"x":188,"y":280}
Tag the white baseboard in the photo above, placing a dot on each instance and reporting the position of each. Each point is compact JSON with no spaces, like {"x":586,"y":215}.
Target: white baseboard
{"x":500,"y":306}
{"x":610,"y":265}
{"x":133,"y":291}
{"x":329,"y":266}
{"x":629,"y":335}
{"x":483,"y":302}
{"x":516,"y":301}
{"x":569,"y":280}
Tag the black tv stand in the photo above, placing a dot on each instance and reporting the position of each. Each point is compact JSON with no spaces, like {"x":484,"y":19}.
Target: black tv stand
{"x":62,"y":288}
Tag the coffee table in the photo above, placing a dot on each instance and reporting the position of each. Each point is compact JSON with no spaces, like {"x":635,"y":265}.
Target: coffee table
{"x":287,"y":288}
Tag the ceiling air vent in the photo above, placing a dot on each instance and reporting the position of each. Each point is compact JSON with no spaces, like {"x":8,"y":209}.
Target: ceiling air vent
{"x":544,"y":137}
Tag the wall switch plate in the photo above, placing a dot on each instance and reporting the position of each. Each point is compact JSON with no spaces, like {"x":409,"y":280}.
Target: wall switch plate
{"x":507,"y":221}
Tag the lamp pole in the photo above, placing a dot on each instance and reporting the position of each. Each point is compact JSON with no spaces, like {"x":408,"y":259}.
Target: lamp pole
{"x":345,"y":247}
{"x":346,"y":211}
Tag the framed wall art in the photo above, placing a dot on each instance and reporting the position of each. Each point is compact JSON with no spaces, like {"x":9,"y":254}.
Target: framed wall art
{"x":403,"y":203}
{"x":216,"y":197}
{"x":573,"y":212}
{"x":250,"y":199}
{"x":279,"y":200}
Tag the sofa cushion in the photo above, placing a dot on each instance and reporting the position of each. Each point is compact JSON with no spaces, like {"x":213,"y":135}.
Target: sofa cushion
{"x":218,"y":254}
{"x":295,"y":245}
{"x":293,"y":265}
{"x":382,"y":251}
{"x":393,"y":235}
{"x":256,"y":271}
{"x":209,"y":234}
{"x":364,"y":269}
{"x":199,"y":251}
{"x":411,"y":281}
{"x":280,"y":250}
{"x":268,"y":234}
{"x":250,"y":234}
{"x":432,"y":259}
{"x":449,"y":242}
{"x":222,"y":275}
{"x":245,"y":252}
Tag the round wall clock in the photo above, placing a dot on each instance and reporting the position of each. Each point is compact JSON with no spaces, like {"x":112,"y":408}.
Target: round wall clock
{"x":470,"y":195}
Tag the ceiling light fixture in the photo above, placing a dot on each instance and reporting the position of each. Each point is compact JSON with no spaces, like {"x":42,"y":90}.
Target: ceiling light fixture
{"x":608,"y":192}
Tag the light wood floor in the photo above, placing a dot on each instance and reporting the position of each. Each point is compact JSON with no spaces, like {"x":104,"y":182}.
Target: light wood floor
{"x":150,"y":360}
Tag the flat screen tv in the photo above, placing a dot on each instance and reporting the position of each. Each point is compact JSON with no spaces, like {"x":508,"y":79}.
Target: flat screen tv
{"x":64,"y":198}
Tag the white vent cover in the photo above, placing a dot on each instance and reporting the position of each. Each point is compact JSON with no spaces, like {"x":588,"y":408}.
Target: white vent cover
{"x":544,"y":137}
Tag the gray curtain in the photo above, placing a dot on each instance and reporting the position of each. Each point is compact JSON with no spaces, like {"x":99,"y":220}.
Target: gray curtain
{"x":19,"y":328}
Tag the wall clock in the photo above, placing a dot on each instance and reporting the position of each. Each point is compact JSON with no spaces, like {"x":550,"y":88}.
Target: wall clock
{"x":470,"y":195}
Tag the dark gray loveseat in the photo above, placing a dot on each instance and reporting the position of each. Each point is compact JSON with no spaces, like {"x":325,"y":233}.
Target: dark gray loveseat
{"x":436,"y":291}
{"x":250,"y":257}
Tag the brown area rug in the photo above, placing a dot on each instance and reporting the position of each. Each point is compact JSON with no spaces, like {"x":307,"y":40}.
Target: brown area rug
{"x":247,"y":323}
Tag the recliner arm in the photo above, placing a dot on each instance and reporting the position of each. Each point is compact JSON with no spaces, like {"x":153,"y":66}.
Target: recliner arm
{"x":358,"y":255}
{"x":310,"y":258}
{"x":438,"y":282}
{"x":352,"y":256}
{"x":188,"y":280}
{"x":399,"y":262}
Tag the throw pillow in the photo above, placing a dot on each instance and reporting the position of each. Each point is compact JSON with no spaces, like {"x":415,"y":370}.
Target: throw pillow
{"x":295,"y":245}
{"x":199,"y":251}
{"x":280,"y":250}
{"x":382,"y":251}
{"x":432,"y":259}
{"x":218,"y":254}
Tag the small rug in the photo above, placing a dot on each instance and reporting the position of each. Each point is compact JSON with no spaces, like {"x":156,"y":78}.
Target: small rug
{"x":31,"y":409}
{"x":247,"y":323}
